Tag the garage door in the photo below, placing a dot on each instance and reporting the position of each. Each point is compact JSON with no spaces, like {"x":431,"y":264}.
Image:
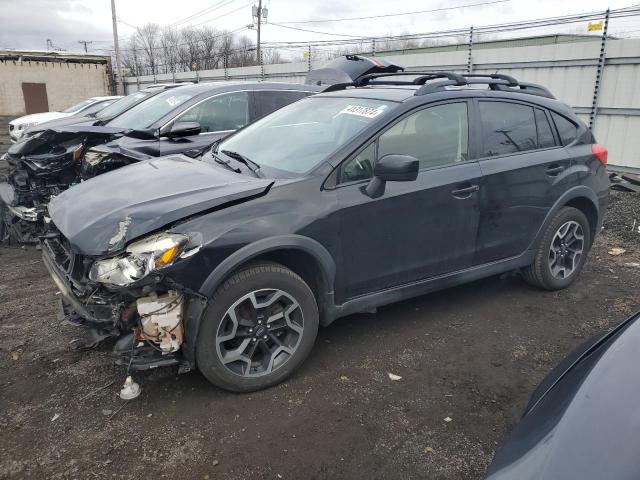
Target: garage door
{"x":35,"y":97}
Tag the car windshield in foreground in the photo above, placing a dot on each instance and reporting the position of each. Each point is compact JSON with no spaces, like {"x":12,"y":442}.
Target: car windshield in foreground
{"x":121,"y":105}
{"x":300,"y":136}
{"x":149,"y":112}
{"x":78,"y":106}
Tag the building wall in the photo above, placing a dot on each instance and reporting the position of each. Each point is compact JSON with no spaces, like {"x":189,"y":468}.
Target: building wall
{"x":567,"y":69}
{"x":67,"y":83}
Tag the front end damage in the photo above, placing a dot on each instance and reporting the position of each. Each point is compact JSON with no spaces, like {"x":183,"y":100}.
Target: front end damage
{"x":40,"y":168}
{"x":144,"y":319}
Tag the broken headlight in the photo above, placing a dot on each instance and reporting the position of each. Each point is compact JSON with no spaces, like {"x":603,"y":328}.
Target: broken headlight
{"x":94,"y":156}
{"x":140,"y":259}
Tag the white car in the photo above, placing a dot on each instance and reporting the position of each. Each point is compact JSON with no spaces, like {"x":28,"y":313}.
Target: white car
{"x":18,"y":126}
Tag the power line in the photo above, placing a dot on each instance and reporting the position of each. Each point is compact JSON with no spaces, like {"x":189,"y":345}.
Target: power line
{"x":495,"y":28}
{"x":330,"y":20}
{"x":204,"y":11}
{"x":314,"y":31}
{"x":224,"y":14}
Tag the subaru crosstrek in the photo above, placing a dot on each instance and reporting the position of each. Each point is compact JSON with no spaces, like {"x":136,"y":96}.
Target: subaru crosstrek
{"x":373,"y":192}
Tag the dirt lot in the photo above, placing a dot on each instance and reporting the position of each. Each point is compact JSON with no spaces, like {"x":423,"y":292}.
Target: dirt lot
{"x":472,"y":353}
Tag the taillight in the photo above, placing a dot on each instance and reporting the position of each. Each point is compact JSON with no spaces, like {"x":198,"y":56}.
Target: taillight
{"x":601,"y":153}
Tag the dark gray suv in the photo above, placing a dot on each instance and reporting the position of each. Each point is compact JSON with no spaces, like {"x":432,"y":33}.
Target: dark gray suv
{"x":375,"y":191}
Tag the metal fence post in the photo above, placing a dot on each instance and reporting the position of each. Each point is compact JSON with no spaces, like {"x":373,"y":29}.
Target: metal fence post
{"x":470,"y":56}
{"x":226,"y":66}
{"x":599,"y":72}
{"x":261,"y":66}
{"x":373,"y":47}
{"x":309,"y":58}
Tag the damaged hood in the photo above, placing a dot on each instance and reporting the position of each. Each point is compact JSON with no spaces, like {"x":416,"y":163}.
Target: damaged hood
{"x":105,"y":213}
{"x":49,"y":141}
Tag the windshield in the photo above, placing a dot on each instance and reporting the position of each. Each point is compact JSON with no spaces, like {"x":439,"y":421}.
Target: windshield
{"x":298,"y":137}
{"x":149,"y":112}
{"x":121,"y":105}
{"x":78,"y":106}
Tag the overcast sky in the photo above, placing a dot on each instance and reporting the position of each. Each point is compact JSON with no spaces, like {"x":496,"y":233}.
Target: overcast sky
{"x":28,"y":23}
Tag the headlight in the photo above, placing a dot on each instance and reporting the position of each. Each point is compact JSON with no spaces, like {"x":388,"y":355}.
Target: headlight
{"x":94,"y":157}
{"x":24,"y":126}
{"x":140,"y":259}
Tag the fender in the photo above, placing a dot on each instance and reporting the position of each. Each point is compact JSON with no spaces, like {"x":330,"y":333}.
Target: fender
{"x":280,"y":242}
{"x":576,"y":192}
{"x":195,"y":313}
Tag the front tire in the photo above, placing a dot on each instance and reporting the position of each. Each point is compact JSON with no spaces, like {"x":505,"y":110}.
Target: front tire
{"x":260,"y":326}
{"x":562,"y":251}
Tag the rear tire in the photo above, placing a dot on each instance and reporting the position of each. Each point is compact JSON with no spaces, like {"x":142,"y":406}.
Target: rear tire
{"x":260,"y":326}
{"x":562,"y":251}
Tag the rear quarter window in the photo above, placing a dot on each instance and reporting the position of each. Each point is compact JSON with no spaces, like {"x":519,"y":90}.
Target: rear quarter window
{"x":567,"y":130}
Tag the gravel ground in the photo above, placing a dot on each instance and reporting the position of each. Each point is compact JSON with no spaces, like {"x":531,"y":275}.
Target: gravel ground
{"x":472,"y":354}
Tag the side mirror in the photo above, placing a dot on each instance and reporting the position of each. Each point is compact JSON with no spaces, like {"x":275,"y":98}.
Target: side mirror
{"x":392,"y":168}
{"x":184,"y":129}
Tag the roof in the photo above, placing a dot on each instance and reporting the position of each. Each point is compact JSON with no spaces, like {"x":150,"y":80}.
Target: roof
{"x":201,"y":88}
{"x":388,"y":92}
{"x":9,"y":54}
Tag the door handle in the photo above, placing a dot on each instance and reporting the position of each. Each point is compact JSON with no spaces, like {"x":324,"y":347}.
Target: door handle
{"x":465,"y":191}
{"x":554,"y":170}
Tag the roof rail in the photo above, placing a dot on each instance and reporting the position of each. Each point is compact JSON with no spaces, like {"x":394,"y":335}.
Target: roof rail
{"x":495,"y":76}
{"x":423,"y":77}
{"x":495,"y":81}
{"x":526,"y":87}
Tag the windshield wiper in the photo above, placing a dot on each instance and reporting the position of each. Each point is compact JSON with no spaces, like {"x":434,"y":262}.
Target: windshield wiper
{"x":251,"y":165}
{"x":224,"y":162}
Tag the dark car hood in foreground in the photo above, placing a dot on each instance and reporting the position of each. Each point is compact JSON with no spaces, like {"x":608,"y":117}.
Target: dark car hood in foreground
{"x":586,"y":423}
{"x":103,"y":214}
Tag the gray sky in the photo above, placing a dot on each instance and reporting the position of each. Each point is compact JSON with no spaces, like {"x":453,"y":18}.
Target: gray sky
{"x":28,"y":23}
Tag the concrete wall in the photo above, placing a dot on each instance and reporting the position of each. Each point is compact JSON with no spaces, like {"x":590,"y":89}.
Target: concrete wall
{"x":567,"y":69}
{"x":67,"y":83}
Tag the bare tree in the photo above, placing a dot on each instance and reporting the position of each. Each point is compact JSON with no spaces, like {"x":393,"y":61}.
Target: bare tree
{"x":170,"y":51}
{"x":148,"y":39}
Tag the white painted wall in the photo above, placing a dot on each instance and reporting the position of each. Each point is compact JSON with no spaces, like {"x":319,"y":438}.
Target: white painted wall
{"x":67,"y":83}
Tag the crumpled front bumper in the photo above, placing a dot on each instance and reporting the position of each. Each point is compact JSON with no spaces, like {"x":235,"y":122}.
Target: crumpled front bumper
{"x":148,"y":325}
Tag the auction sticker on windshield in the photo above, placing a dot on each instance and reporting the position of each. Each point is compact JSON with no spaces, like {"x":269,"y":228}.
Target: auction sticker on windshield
{"x":361,"y":111}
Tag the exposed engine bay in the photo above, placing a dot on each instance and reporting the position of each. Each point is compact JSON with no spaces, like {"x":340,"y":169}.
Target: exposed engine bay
{"x":40,"y":168}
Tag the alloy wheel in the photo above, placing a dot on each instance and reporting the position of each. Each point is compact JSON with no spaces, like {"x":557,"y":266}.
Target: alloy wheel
{"x":259,"y":333}
{"x":566,"y":249}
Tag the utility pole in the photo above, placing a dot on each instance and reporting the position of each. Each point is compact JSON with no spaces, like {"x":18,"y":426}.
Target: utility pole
{"x":84,"y":42}
{"x":259,"y":14}
{"x":115,"y":45}
{"x":259,"y":22}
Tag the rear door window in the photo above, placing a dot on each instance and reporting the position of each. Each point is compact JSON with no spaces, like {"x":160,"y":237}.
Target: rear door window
{"x":270,"y":101}
{"x":567,"y":130}
{"x":507,"y":128}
